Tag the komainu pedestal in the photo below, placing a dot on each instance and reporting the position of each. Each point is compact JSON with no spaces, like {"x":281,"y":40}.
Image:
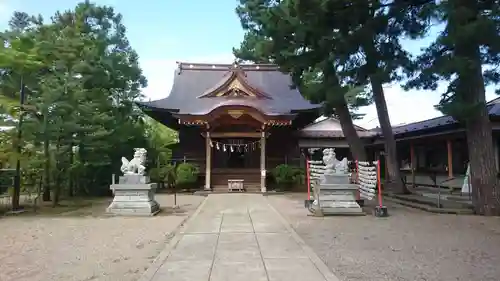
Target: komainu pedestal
{"x":134,"y":195}
{"x":333,"y":194}
{"x":336,"y":196}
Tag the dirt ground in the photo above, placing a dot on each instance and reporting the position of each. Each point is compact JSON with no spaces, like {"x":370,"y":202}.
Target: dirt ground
{"x":87,"y":244}
{"x":409,"y":245}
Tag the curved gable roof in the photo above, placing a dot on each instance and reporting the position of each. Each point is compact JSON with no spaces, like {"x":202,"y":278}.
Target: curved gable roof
{"x":193,"y":80}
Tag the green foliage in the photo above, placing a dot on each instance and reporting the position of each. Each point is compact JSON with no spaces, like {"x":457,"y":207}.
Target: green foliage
{"x":186,"y":174}
{"x":275,"y":33}
{"x":8,"y":106}
{"x":82,"y":78}
{"x":287,"y":175}
{"x":160,"y":138}
{"x":165,"y":174}
{"x":6,"y":179}
{"x":465,"y":55}
{"x":340,"y":45}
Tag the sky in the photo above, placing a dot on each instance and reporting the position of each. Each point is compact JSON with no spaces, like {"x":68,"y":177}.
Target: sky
{"x":166,"y":31}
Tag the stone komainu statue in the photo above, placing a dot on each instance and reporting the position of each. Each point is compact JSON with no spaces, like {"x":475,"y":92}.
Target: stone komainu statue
{"x":136,"y":165}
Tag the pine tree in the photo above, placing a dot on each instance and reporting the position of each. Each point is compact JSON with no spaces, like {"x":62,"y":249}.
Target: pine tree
{"x":467,"y":54}
{"x":275,"y":32}
{"x":18,"y":62}
{"x":82,"y":95}
{"x":366,"y":38}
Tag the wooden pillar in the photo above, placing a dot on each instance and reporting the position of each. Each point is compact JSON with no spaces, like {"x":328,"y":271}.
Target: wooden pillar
{"x":263,"y":162}
{"x":208,"y":164}
{"x":412,"y":164}
{"x":449,"y":148}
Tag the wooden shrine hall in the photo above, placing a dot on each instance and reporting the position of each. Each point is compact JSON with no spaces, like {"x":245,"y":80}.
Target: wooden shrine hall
{"x":236,"y":117}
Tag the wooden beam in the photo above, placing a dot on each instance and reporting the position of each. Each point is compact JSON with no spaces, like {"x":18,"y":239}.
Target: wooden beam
{"x":234,"y":134}
{"x":449,"y":149}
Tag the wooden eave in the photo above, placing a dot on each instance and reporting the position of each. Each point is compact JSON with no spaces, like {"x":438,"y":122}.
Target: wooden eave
{"x":206,"y":120}
{"x":234,"y":85}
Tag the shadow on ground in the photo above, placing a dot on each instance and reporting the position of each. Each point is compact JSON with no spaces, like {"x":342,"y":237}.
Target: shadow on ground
{"x":90,"y":207}
{"x":408,"y":245}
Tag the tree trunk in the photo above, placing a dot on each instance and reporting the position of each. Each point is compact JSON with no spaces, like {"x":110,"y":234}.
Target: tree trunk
{"x":471,"y":91}
{"x":83,"y":175}
{"x":394,"y":176}
{"x":46,"y":164}
{"x":483,"y":171}
{"x":59,"y":168}
{"x":336,"y":95}
{"x":70,"y":174}
{"x":17,"y":179}
{"x":356,"y":145}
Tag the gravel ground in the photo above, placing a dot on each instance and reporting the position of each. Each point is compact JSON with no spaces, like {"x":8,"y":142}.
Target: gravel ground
{"x":409,"y":245}
{"x":87,"y":244}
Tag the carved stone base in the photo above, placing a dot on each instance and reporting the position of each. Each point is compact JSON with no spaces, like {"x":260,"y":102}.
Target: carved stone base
{"x":134,"y":179}
{"x":134,"y":200}
{"x":337,"y":199}
{"x":333,"y":178}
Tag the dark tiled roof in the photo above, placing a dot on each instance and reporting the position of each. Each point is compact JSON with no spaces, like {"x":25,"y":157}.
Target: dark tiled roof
{"x":192,"y":80}
{"x":492,"y":106}
{"x":331,"y":134}
{"x":308,"y":132}
{"x":424,"y":125}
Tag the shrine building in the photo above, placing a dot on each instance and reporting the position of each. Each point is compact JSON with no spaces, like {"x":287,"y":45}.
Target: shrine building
{"x":234,"y":121}
{"x":241,"y":121}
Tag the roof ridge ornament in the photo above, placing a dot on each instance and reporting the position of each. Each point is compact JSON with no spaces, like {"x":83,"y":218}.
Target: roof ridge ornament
{"x":227,"y":66}
{"x":235,"y":85}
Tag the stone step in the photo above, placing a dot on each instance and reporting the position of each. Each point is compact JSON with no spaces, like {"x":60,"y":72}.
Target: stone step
{"x":222,"y":188}
{"x":428,"y":208}
{"x":432,"y":202}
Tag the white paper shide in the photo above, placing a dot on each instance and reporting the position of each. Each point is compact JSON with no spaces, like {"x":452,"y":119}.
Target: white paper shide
{"x":367,"y":177}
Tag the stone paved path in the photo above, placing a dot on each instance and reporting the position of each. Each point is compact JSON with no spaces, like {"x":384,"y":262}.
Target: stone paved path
{"x":237,"y":237}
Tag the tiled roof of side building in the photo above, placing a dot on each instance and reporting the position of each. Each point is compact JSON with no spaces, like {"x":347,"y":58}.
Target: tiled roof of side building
{"x":192,"y":80}
{"x":332,"y":134}
{"x":493,"y":109}
{"x":330,"y":128}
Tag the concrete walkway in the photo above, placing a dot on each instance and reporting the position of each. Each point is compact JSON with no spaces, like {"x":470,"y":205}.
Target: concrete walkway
{"x":237,"y":237}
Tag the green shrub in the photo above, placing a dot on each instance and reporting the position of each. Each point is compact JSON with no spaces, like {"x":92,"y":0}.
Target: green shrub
{"x":300,"y":175}
{"x":186,"y":174}
{"x":165,"y":174}
{"x":155,"y":174}
{"x":286,"y":175}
